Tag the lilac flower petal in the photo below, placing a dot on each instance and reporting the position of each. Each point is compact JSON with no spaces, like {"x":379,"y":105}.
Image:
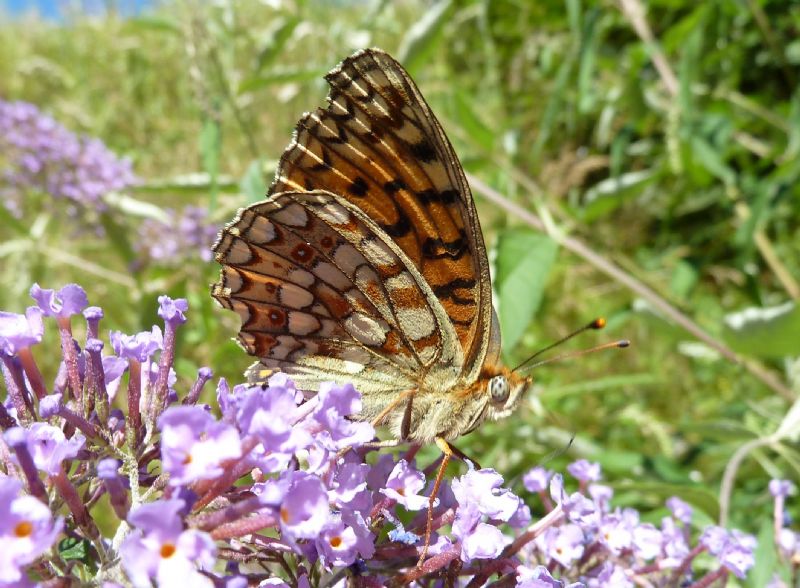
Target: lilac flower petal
{"x":194,"y":446}
{"x":404,"y":485}
{"x":536,"y":479}
{"x":69,"y":300}
{"x":304,"y":511}
{"x":159,"y":549}
{"x":18,"y":332}
{"x":485,"y":542}
{"x":538,"y":577}
{"x":780,"y":487}
{"x":737,"y":558}
{"x":584,"y":470}
{"x":601,"y":494}
{"x":138,"y":347}
{"x":50,"y":405}
{"x":49,"y":447}
{"x":483,"y":488}
{"x":715,"y":539}
{"x":27,"y":530}
{"x":681,"y":510}
{"x":564,"y":544}
{"x":337,"y":544}
{"x":647,"y":541}
{"x":172,"y":311}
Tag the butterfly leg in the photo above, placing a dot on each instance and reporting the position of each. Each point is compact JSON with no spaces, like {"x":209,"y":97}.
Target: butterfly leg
{"x":447,"y":454}
{"x":405,"y":426}
{"x":464,"y":457}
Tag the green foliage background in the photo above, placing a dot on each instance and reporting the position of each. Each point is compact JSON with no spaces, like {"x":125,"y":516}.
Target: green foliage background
{"x":667,"y":142}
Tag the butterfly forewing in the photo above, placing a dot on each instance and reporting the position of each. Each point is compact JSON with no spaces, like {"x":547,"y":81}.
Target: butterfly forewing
{"x":378,"y":146}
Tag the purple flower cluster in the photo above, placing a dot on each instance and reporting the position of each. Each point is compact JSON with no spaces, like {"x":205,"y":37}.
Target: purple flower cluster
{"x":283,"y":489}
{"x":40,"y":155}
{"x":187,"y":233}
{"x":597,"y":545}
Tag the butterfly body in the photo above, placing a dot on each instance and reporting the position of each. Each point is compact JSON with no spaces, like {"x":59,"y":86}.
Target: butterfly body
{"x":366,"y":263}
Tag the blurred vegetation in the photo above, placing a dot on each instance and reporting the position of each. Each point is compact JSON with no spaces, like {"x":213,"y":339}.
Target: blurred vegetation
{"x":665,"y":140}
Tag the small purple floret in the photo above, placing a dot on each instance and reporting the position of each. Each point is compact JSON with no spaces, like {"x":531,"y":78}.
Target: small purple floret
{"x":69,"y":300}
{"x":172,"y":311}
{"x":18,"y":331}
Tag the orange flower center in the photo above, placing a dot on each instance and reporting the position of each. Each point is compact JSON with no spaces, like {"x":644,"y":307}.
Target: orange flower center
{"x":23,"y":529}
{"x":168,"y":550}
{"x":335,"y":541}
{"x":284,"y":515}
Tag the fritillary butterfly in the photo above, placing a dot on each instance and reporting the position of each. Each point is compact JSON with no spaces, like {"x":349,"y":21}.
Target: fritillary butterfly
{"x":366,"y":263}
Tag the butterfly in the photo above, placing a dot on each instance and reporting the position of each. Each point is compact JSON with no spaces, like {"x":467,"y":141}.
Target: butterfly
{"x":366,"y":264}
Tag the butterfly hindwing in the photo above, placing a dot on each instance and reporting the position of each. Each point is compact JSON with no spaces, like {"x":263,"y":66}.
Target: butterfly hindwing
{"x":324,"y":294}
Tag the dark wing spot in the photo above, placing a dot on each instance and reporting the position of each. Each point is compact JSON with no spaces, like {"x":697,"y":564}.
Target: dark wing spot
{"x":448,"y":290}
{"x":435,"y":248}
{"x":399,"y":228}
{"x":358,"y":187}
{"x":445,"y":196}
{"x":423,"y":151}
{"x":394,"y":186}
{"x":325,"y":164}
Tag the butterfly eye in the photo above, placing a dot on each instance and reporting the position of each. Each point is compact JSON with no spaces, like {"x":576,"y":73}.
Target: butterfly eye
{"x":498,"y":388}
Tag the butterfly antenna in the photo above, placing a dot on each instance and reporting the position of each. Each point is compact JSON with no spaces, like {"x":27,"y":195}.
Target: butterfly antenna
{"x":596,"y":324}
{"x":622,"y":343}
{"x":558,"y":452}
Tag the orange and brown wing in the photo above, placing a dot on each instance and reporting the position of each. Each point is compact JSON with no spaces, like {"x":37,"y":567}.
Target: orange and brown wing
{"x":379,"y":146}
{"x":324,"y":294}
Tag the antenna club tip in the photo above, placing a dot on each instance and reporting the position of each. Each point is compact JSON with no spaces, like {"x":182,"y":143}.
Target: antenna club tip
{"x":623,"y":343}
{"x":598,"y":323}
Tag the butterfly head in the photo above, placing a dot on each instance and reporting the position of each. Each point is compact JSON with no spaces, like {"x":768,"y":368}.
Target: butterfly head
{"x":505,"y":390}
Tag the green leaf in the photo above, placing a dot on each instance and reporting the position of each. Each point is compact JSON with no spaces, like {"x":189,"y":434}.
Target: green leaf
{"x":524,"y":260}
{"x":711,"y":160}
{"x":9,"y":222}
{"x":118,"y":237}
{"x":687,"y":69}
{"x":470,"y":122}
{"x":72,"y":549}
{"x":574,"y":16}
{"x":131,"y":206}
{"x":684,"y":279}
{"x":279,"y":76}
{"x":587,"y":93}
{"x":789,"y":428}
{"x":210,"y":147}
{"x":252,"y":184}
{"x":607,"y":195}
{"x":765,"y":332}
{"x":555,"y":103}
{"x":619,"y":461}
{"x":275,"y":39}
{"x":597,"y":385}
{"x":422,"y":37}
{"x":764,"y":556}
